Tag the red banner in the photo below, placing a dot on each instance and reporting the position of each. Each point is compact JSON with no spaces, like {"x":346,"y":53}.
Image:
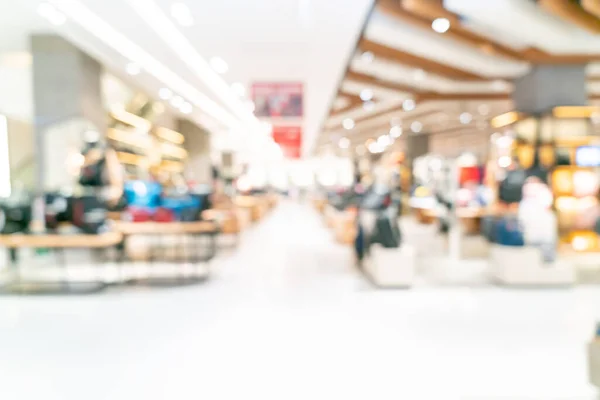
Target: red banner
{"x":276,"y":100}
{"x":289,"y":138}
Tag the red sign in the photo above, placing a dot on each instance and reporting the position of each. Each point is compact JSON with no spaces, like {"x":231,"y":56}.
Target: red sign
{"x":276,"y":100}
{"x":289,"y":138}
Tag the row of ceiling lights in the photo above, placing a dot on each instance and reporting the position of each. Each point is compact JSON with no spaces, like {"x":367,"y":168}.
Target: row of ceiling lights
{"x":181,"y":13}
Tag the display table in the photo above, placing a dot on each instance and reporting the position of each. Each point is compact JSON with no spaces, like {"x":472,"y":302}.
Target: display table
{"x":426,"y":216}
{"x":523,"y":266}
{"x":172,"y":241}
{"x":391,"y":268}
{"x":470,"y":219}
{"x":62,"y":283}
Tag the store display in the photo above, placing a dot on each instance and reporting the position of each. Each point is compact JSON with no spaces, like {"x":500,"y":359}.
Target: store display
{"x":15,"y":213}
{"x":508,"y":232}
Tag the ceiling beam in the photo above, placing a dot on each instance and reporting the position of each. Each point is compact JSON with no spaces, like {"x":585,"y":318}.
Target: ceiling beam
{"x":572,"y":13}
{"x":411,"y":60}
{"x":423,"y":97}
{"x":371,"y":80}
{"x":592,"y":7}
{"x":355,"y":101}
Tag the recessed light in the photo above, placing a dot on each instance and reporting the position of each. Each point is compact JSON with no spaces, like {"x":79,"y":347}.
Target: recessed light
{"x":419,"y":75}
{"x":465,"y":118}
{"x":366,"y":95}
{"x":344,"y":143}
{"x":384,"y":141}
{"x":396,"y":132}
{"x":416,"y":127}
{"x":374,"y":147}
{"x":165,"y":93}
{"x":49,"y":12}
{"x":368,"y":106}
{"x":182,"y":14}
{"x":219,"y":65}
{"x":239,"y":89}
{"x":483,"y":109}
{"x":133,"y":69}
{"x":177,"y":101}
{"x":408,"y":105}
{"x":440,"y":25}
{"x":367,"y":57}
{"x":186,"y":108}
{"x":348,"y":123}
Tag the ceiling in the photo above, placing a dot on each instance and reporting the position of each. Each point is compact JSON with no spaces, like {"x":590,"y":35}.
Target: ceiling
{"x":467,"y":70}
{"x":262,"y":40}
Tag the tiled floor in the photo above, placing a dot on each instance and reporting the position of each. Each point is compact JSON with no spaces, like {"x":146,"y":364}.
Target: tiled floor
{"x":285,"y":317}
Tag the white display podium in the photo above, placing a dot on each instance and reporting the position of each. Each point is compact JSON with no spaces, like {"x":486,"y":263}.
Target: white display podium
{"x":524,"y":266}
{"x":391,"y":268}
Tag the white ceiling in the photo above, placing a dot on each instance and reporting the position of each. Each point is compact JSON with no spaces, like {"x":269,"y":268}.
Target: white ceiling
{"x":261,"y":40}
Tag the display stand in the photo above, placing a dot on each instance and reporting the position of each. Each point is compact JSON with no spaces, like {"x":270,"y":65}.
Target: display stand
{"x":18,"y":282}
{"x":391,"y":268}
{"x":523,"y":266}
{"x":173,"y":241}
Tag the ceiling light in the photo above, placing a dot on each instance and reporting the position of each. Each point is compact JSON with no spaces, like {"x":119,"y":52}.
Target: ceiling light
{"x":165,"y":93}
{"x":483,"y":109}
{"x":465,"y":118}
{"x":419,"y":75}
{"x":396,"y":132}
{"x":239,"y":89}
{"x":408,"y":105}
{"x":181,"y":13}
{"x":177,"y":101}
{"x":344,"y":143}
{"x":219,"y":65}
{"x":374,"y":147}
{"x":186,"y":108}
{"x":133,"y":69}
{"x":416,"y":127}
{"x":440,"y":25}
{"x":51,"y":14}
{"x":367,"y":57}
{"x":348,"y":123}
{"x":499,"y":85}
{"x":366,"y":95}
{"x":384,"y":141}
{"x":368,"y":106}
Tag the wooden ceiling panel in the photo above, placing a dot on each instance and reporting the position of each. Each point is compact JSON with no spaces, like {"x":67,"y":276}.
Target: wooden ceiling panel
{"x":592,"y":7}
{"x":573,"y":13}
{"x":370,"y":80}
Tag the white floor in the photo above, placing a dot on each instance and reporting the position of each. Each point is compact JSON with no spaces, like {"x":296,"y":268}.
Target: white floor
{"x":286,"y":317}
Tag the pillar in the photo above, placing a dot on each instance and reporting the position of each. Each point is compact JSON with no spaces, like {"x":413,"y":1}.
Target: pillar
{"x":67,"y":103}
{"x":549,"y":86}
{"x":197,"y":144}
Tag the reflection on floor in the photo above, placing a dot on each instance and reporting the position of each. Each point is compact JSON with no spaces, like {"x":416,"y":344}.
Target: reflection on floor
{"x":286,"y":317}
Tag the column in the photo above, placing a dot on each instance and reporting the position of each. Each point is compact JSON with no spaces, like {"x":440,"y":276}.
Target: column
{"x":67,"y":102}
{"x":197,"y":144}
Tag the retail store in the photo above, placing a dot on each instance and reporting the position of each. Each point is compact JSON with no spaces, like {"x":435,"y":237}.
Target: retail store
{"x":183,"y":181}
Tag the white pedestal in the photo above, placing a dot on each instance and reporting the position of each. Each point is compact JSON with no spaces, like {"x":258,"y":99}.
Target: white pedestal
{"x":523,"y":266}
{"x":392,"y":267}
{"x":594,"y":362}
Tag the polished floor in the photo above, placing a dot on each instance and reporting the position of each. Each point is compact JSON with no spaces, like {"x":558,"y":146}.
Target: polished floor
{"x":285,"y":316}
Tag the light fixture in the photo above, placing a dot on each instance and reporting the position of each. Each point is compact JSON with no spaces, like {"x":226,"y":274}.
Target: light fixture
{"x":499,"y":85}
{"x":219,"y":65}
{"x":344,"y":143}
{"x":408,"y":105}
{"x":348,"y":123}
{"x":366,"y":95}
{"x":133,"y":69}
{"x":239,"y":89}
{"x":49,"y":12}
{"x":416,"y":127}
{"x":465,"y":118}
{"x":374,"y":147}
{"x":396,"y":132}
{"x":182,"y":14}
{"x":419,"y":75}
{"x":483,"y":109}
{"x":383,"y":141}
{"x":177,"y":101}
{"x":368,"y":106}
{"x":367,"y":57}
{"x":186,"y":108}
{"x":165,"y":93}
{"x":440,"y":25}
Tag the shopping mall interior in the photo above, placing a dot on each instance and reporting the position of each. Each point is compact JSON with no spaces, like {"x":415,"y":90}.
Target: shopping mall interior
{"x":299,"y":199}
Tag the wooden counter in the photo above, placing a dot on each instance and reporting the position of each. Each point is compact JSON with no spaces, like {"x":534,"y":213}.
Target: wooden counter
{"x":164,"y":228}
{"x":61,"y":241}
